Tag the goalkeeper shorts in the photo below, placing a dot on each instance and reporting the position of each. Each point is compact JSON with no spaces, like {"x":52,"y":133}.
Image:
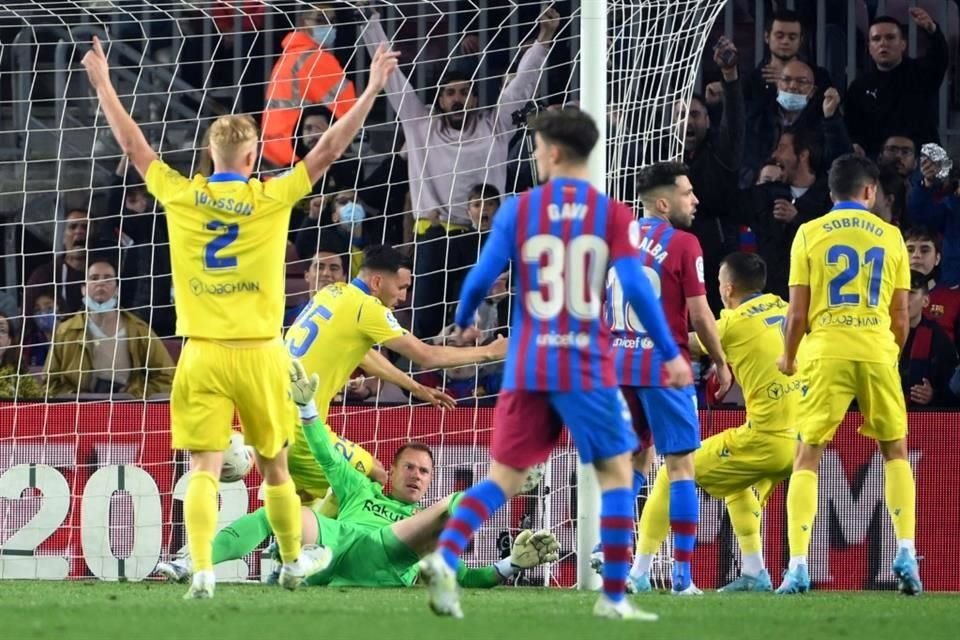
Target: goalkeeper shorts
{"x":364,"y":557}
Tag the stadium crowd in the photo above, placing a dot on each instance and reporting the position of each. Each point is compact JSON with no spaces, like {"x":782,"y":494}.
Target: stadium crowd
{"x":95,"y":315}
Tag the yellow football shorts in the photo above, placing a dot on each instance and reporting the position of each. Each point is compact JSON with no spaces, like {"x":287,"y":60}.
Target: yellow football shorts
{"x":833,"y":384}
{"x":307,"y":473}
{"x":213,"y":379}
{"x":739,"y":458}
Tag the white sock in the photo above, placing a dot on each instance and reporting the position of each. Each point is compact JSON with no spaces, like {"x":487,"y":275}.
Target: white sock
{"x":752,"y":564}
{"x":796,"y":561}
{"x":641,"y":564}
{"x":908,"y":545}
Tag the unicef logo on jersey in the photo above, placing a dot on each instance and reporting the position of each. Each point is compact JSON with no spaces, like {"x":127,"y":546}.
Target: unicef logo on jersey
{"x":564,"y":340}
{"x":199,"y":287}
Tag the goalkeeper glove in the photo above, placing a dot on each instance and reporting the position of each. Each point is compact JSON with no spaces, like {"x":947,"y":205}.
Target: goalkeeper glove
{"x":533,"y":549}
{"x":303,"y":388}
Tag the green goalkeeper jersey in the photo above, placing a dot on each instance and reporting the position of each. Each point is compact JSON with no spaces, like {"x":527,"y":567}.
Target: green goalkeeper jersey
{"x":362,"y":501}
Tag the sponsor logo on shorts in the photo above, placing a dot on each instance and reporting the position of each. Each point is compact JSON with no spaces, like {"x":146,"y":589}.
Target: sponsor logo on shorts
{"x":571,"y":339}
{"x":198,"y":287}
{"x":623,"y":342}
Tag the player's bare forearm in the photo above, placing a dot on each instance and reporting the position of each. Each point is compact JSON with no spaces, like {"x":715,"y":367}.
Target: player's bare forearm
{"x":378,"y":366}
{"x":125,"y":130}
{"x":705,"y":326}
{"x":796,"y":321}
{"x":900,"y":317}
{"x":694,"y":344}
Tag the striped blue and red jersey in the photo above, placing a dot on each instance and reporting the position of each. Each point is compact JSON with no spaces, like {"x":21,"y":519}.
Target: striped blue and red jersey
{"x":673,"y":263}
{"x":562,"y":238}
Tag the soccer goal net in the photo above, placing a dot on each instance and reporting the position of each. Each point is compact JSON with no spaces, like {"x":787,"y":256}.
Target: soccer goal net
{"x":88,"y":483}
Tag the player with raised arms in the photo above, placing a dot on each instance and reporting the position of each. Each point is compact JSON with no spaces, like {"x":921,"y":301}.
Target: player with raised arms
{"x":741,"y":466}
{"x":849,"y":286}
{"x":562,"y":237}
{"x":228,"y":236}
{"x":673,"y":262}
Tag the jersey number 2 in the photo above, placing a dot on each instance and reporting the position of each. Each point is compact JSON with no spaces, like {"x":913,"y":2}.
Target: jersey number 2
{"x":212,"y":261}
{"x":872,"y":259}
{"x":569,"y":276}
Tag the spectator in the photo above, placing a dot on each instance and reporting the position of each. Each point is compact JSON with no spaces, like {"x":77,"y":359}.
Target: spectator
{"x":451,"y":146}
{"x":337,"y":219}
{"x":797,"y":105}
{"x":307,"y":73}
{"x":38,"y":329}
{"x":775,"y":210}
{"x":929,"y":358}
{"x":345,"y":172}
{"x":891,"y":194}
{"x":13,"y":381}
{"x":784,"y":36}
{"x":901,"y":152}
{"x":936,"y":205}
{"x":329,"y":264}
{"x":482,"y":204}
{"x":65,"y":272}
{"x":714,"y":156}
{"x":923,"y":247}
{"x":899,"y":95}
{"x":106,"y":350}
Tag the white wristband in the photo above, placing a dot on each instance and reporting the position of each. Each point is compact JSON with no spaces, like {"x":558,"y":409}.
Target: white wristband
{"x":308,"y":412}
{"x":504,"y":568}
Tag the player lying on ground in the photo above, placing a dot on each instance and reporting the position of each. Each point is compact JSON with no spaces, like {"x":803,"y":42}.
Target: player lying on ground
{"x":228,"y":236}
{"x":742,"y":466}
{"x":849,"y":287}
{"x":673,"y":261}
{"x":562,"y":237}
{"x":378,"y":537}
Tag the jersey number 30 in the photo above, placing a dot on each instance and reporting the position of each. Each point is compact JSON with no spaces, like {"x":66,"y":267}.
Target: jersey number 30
{"x":569,"y":276}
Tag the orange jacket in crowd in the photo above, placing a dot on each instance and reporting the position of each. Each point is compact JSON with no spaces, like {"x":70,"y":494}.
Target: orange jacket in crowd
{"x":305,"y":75}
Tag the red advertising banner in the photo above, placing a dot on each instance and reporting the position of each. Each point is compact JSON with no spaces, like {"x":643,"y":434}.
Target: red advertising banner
{"x":93,"y":490}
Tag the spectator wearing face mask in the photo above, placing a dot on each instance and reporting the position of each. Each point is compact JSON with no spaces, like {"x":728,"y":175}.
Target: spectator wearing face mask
{"x":307,"y":74}
{"x":337,"y":219}
{"x":104,"y":349}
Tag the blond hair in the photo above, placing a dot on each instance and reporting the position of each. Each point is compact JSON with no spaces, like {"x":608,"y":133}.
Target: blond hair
{"x":231,"y":136}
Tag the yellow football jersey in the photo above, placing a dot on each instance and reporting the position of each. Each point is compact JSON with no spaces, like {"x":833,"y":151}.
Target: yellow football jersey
{"x":852,"y":261}
{"x":338,"y":328}
{"x":228,"y":241}
{"x":752,"y":338}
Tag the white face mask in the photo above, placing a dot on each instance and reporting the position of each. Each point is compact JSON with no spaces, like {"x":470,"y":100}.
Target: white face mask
{"x":99,"y":307}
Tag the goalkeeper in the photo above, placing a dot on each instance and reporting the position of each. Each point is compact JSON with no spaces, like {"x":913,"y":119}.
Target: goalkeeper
{"x":379,"y":537}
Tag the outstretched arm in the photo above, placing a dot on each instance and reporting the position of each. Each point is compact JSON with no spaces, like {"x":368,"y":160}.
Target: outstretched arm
{"x":401,"y":94}
{"x":523,"y":87}
{"x":126,"y":131}
{"x":337,"y":138}
{"x":377,"y":365}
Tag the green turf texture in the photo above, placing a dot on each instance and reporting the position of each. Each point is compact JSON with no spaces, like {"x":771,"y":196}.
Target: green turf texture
{"x":67,"y":610}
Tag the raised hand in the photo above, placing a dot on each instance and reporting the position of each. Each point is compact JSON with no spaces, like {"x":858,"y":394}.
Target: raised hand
{"x":98,"y":69}
{"x":831,"y":101}
{"x":923,"y":19}
{"x":549,"y":24}
{"x":384,"y":63}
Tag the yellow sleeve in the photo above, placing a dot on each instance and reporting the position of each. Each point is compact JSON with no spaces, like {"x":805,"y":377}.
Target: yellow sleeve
{"x":290,"y":187}
{"x":164,"y":182}
{"x":799,"y":265}
{"x":902,"y":274}
{"x":358,"y":457}
{"x":378,"y":323}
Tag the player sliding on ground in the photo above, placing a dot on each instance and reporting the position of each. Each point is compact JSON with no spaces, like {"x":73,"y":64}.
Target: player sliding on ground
{"x":673,"y":261}
{"x":742,"y":466}
{"x":228,"y":237}
{"x":562,"y":238}
{"x":379,"y":536}
{"x":849,"y":285}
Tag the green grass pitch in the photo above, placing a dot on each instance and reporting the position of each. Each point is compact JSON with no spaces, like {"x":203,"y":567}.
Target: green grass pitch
{"x":68,"y":610}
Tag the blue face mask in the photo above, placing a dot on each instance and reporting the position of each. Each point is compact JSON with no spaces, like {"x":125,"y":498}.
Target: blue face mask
{"x":45,"y":320}
{"x":352,"y":213}
{"x":791,"y":101}
{"x":325,"y":35}
{"x":99,"y":307}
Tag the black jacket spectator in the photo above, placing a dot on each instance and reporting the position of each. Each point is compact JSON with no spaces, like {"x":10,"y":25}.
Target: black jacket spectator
{"x":900,"y":99}
{"x":929,"y":355}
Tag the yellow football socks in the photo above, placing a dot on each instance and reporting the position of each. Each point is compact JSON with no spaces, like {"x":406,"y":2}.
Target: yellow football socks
{"x":801,"y":510}
{"x":654,"y":523}
{"x":901,"y":497}
{"x":200,"y":517}
{"x":745,"y":511}
{"x":283,"y":511}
